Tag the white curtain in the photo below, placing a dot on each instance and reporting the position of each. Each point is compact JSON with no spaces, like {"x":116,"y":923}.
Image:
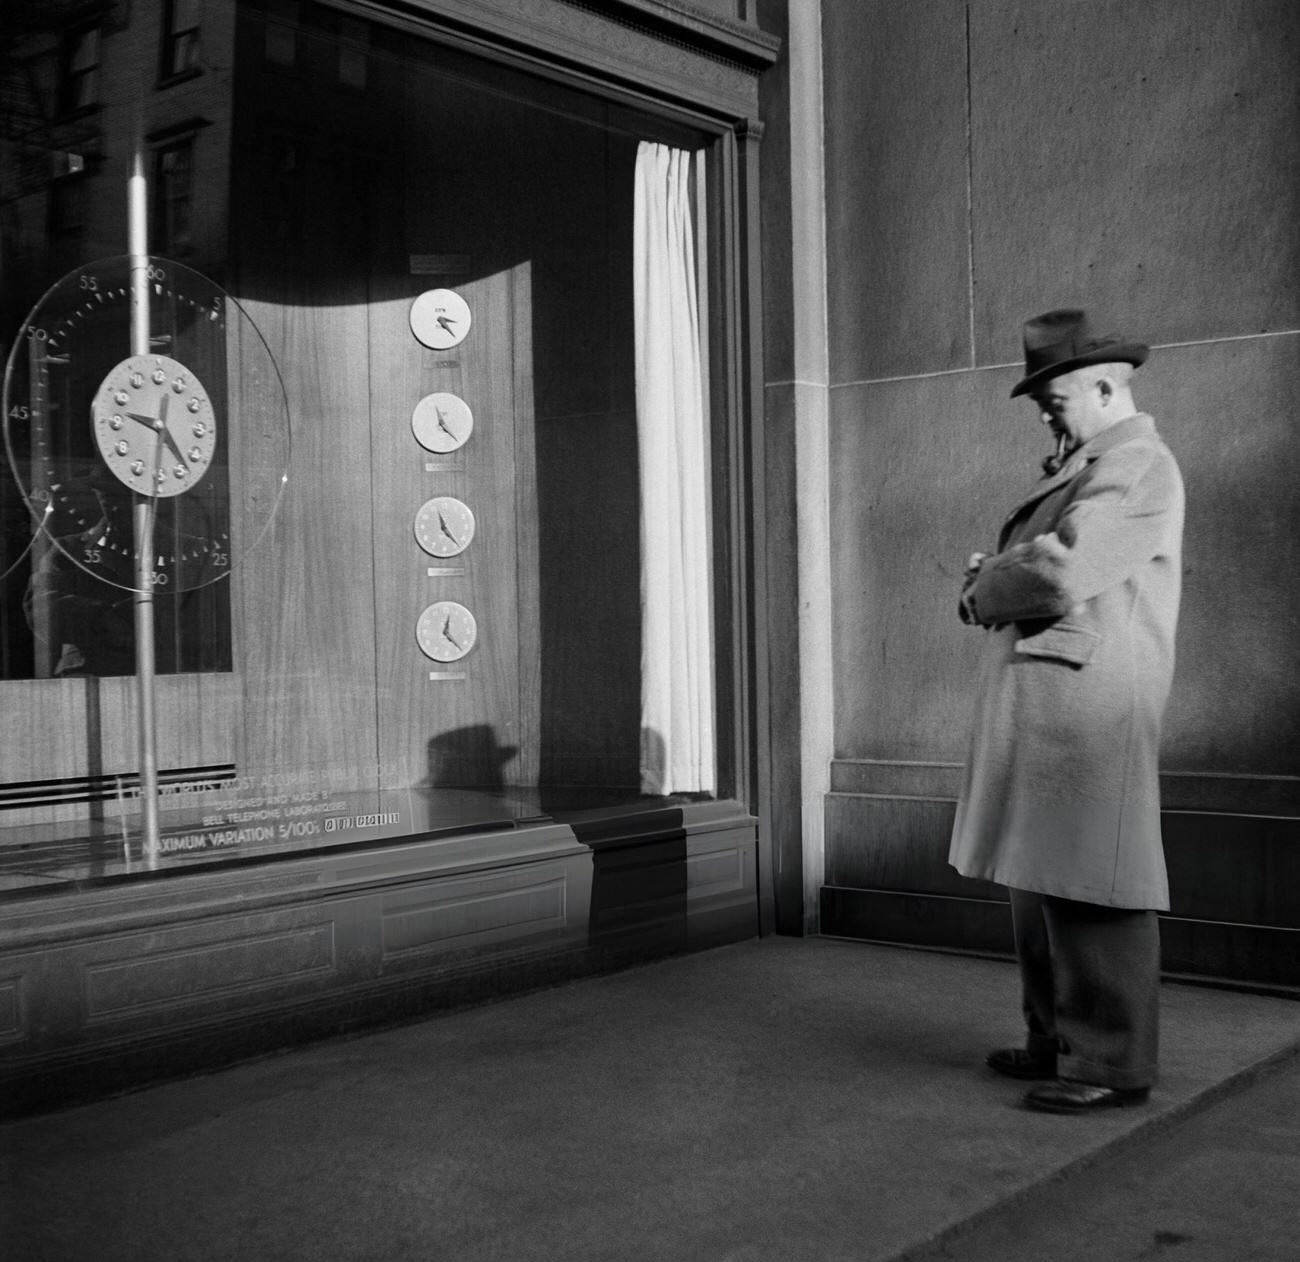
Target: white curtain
{"x":677,"y":723}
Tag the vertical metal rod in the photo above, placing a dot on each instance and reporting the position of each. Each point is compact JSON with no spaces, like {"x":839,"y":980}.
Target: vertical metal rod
{"x":138,"y":231}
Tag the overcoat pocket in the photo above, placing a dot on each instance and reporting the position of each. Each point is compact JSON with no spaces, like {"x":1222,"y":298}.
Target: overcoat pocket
{"x":1063,"y":642}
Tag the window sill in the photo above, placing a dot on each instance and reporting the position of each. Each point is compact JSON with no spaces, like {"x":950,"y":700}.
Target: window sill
{"x":171,"y":81}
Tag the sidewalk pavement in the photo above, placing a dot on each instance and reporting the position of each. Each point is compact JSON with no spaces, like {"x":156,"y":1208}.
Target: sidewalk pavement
{"x":780,"y":1099}
{"x":1221,"y":1186}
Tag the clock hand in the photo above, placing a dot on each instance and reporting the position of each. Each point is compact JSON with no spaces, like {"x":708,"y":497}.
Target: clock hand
{"x":446,"y":322}
{"x":171,"y":442}
{"x":442,"y":525}
{"x":158,"y":425}
{"x":447,"y":635}
{"x":168,"y":438}
{"x":442,"y":422}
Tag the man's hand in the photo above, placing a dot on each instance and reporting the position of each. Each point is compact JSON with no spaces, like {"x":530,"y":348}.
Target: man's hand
{"x":965,"y":605}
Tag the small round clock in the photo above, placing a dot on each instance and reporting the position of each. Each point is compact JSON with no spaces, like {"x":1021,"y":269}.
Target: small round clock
{"x":446,"y":631}
{"x":440,"y":319}
{"x":444,"y":526}
{"x":442,"y":422}
{"x":154,"y":425}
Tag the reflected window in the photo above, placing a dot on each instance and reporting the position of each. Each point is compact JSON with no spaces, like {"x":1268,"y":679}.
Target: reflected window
{"x":180,"y":43}
{"x":354,"y":45}
{"x":68,"y":205}
{"x":281,"y":45}
{"x":80,"y":78}
{"x":174,"y":196}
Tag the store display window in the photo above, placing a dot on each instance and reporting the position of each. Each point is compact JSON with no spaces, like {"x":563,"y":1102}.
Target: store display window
{"x":403,"y":424}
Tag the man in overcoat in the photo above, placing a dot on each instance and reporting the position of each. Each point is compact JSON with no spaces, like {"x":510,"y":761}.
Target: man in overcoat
{"x":1060,"y":800}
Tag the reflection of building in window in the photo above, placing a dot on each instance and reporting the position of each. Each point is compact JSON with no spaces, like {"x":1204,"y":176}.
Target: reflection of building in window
{"x":68,"y":203}
{"x":79,"y":81}
{"x":281,"y":32}
{"x":180,"y":42}
{"x":317,"y":41}
{"x":174,"y":196}
{"x":354,"y":45}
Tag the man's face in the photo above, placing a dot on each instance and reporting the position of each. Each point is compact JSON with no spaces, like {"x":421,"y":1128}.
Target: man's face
{"x":1070,"y":404}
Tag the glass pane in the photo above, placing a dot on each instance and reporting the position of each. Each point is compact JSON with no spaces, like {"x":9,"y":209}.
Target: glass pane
{"x":81,"y":71}
{"x":353,"y":52}
{"x":281,"y":38}
{"x":407,"y":284}
{"x":186,"y":15}
{"x":84,"y":52}
{"x":184,"y":53}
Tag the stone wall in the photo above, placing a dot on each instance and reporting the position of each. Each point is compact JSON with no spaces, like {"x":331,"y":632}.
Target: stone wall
{"x":985,"y":162}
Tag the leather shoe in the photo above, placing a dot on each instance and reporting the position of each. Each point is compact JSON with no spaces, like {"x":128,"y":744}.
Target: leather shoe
{"x":1082,"y":1097}
{"x":1017,"y":1062}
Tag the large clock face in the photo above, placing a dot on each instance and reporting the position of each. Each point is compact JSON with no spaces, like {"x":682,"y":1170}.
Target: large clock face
{"x":154,"y":425}
{"x":444,"y":526}
{"x":198,"y":425}
{"x":446,"y":631}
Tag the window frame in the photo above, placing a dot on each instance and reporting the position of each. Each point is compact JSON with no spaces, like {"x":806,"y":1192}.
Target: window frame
{"x":172,"y":38}
{"x":71,"y":80}
{"x":161,"y":212}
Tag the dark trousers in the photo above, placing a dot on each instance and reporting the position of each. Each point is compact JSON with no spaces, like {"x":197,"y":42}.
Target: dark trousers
{"x":1091,"y":987}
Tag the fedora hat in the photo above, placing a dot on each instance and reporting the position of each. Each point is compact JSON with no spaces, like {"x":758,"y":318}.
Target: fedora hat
{"x":1061,"y":341}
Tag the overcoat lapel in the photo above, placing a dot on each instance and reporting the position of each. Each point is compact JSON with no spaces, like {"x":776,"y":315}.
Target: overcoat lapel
{"x":1120,"y":432}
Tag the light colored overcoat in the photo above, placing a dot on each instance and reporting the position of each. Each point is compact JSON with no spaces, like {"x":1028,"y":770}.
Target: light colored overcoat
{"x":1061,"y":792}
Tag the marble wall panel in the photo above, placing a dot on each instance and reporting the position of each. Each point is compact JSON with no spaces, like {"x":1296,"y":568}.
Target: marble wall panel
{"x":1227,"y":411}
{"x":896,"y":187}
{"x":924,"y":471}
{"x":1141,"y":160}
